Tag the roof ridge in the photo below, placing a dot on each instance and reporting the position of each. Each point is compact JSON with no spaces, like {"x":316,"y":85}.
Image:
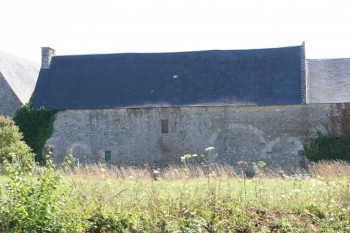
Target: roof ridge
{"x":174,"y":52}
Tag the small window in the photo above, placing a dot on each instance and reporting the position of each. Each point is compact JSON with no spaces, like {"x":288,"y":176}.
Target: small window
{"x":165,"y":126}
{"x":107,"y":156}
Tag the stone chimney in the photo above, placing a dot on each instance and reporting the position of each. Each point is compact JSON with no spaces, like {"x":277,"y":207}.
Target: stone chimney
{"x":46,"y":55}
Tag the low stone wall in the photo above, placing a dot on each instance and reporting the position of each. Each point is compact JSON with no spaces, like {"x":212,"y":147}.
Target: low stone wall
{"x":274,"y":134}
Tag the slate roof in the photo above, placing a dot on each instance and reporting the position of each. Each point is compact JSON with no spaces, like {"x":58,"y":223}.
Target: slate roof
{"x":20,"y":74}
{"x":202,"y":78}
{"x":328,"y":80}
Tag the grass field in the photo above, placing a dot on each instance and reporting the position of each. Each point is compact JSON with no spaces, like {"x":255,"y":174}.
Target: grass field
{"x":100,"y":198}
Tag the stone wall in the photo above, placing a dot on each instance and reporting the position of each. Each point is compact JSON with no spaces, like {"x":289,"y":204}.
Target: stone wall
{"x":9,"y":102}
{"x":273,"y":134}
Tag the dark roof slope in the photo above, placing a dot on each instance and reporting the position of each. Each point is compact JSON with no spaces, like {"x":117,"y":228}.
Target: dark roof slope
{"x":328,"y":80}
{"x":203,"y":78}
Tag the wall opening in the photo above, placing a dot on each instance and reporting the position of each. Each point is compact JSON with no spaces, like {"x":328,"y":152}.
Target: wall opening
{"x":108,"y":156}
{"x":165,"y":128}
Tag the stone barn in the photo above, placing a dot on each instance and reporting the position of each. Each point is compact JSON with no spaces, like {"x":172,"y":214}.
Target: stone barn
{"x":153,"y":108}
{"x":17,"y":82}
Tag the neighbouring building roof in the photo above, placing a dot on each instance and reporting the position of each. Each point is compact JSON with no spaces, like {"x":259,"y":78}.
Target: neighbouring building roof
{"x":203,"y":78}
{"x":20,"y":74}
{"x":328,"y":80}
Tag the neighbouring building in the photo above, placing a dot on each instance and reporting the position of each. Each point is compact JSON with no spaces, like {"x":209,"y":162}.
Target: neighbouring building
{"x":17,"y":82}
{"x":138,"y":108}
{"x":328,"y":80}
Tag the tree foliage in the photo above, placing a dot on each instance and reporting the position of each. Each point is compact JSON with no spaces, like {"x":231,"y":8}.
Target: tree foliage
{"x":11,"y":144}
{"x":36,"y":126}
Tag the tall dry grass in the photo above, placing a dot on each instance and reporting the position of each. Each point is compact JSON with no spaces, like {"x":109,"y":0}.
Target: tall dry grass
{"x":199,"y":172}
{"x":329,"y":169}
{"x":323,"y":169}
{"x":104,"y":171}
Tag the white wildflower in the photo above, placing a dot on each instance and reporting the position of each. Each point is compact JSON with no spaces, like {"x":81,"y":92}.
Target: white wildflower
{"x":155,"y":172}
{"x":209,"y":148}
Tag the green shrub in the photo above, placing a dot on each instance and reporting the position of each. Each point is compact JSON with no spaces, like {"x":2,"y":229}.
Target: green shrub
{"x":37,"y":205}
{"x":11,"y":144}
{"x":36,"y":126}
{"x":102,"y":221}
{"x":328,"y":147}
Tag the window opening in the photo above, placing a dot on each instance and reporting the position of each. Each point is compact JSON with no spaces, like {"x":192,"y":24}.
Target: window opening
{"x":107,"y":156}
{"x":165,"y":128}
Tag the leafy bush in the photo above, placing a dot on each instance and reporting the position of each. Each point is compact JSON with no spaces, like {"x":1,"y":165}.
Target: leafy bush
{"x":102,"y":221}
{"x":37,"y":205}
{"x":36,"y":126}
{"x":328,"y":147}
{"x":11,"y":144}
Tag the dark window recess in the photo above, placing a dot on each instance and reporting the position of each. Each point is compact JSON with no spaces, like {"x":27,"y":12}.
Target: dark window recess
{"x":165,"y":128}
{"x":107,"y":155}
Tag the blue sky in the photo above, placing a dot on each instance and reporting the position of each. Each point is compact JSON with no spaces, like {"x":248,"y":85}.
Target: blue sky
{"x":113,"y":26}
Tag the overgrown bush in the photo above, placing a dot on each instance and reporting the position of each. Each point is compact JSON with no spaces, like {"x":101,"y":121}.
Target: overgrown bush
{"x":335,"y":145}
{"x":36,"y":126}
{"x":37,"y":205}
{"x":11,"y":144}
{"x":328,"y":147}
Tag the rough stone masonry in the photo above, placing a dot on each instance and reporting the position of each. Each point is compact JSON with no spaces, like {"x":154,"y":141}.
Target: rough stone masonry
{"x":160,"y":136}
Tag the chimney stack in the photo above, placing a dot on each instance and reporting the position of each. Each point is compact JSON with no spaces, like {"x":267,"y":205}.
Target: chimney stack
{"x":46,"y":55}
